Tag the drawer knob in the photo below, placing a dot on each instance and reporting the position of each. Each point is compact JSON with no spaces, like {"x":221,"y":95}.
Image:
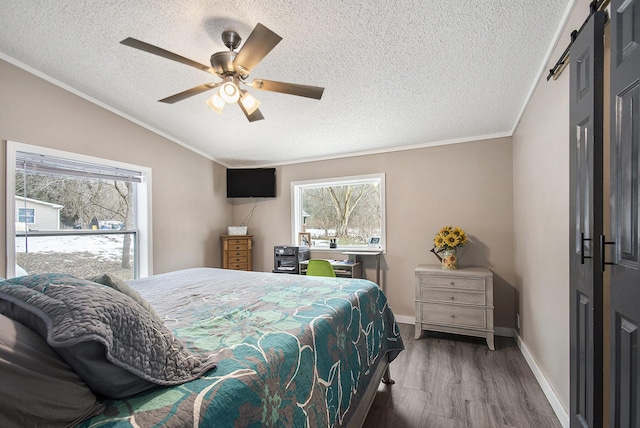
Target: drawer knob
{"x":452,"y":316}
{"x":452,"y":298}
{"x":452,"y":283}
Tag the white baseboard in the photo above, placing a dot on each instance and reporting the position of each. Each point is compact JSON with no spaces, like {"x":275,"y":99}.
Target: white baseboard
{"x":557,"y":406}
{"x":503,"y":331}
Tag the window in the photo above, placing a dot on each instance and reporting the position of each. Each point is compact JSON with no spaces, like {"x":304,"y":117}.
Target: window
{"x":343,"y":213}
{"x":26,"y":215}
{"x":94,"y":214}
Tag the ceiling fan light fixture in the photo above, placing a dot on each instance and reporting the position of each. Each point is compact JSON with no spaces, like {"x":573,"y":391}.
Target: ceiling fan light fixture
{"x":229,"y":92}
{"x":249,"y":102}
{"x":233,"y":68}
{"x":216,"y":103}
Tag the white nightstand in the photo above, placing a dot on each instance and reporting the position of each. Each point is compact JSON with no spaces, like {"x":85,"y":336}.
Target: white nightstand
{"x":455,"y":301}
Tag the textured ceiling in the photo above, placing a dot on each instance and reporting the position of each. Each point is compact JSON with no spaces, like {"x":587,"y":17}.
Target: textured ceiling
{"x":397,"y":74}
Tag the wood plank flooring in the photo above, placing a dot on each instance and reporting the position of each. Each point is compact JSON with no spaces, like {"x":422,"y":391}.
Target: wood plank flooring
{"x":455,"y":381}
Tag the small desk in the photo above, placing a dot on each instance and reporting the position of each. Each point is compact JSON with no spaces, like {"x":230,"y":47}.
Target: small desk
{"x":342,"y":269}
{"x":376,"y":253}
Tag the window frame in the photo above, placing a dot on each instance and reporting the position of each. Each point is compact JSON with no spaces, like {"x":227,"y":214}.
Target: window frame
{"x":296,"y":208}
{"x":143,"y":203}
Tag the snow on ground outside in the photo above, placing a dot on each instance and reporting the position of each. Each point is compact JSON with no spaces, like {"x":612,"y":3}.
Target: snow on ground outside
{"x":106,"y":247}
{"x":80,"y":256}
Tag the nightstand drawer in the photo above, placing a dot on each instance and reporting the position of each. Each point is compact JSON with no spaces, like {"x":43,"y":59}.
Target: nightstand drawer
{"x":450,"y":282}
{"x":449,"y":296}
{"x":235,"y":245}
{"x":233,"y":254}
{"x":237,"y":265}
{"x":233,"y":259}
{"x":461,"y":316}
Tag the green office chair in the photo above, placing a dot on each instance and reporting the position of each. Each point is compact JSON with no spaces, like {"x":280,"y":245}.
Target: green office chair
{"x":319,"y":267}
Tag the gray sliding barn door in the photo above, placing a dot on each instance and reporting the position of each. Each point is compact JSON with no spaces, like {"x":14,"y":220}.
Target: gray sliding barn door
{"x":625,"y":221}
{"x":586,"y":208}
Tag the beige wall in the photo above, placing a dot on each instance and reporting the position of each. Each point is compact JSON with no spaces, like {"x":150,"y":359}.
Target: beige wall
{"x":466,"y":185}
{"x":541,"y":221}
{"x":189,"y":205}
{"x":510,"y":195}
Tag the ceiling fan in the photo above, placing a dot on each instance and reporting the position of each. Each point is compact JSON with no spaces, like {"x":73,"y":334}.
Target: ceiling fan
{"x":234,"y":68}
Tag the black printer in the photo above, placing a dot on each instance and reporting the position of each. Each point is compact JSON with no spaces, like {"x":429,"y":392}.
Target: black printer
{"x":286,"y":258}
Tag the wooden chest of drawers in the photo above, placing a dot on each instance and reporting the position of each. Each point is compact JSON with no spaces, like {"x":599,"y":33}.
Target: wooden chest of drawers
{"x":455,"y":301}
{"x":236,"y":252}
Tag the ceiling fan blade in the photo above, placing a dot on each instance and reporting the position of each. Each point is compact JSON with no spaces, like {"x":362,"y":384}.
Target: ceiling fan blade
{"x":258,"y":45}
{"x":143,"y":46}
{"x":256,"y":115}
{"x":288,"y":88}
{"x":189,"y":93}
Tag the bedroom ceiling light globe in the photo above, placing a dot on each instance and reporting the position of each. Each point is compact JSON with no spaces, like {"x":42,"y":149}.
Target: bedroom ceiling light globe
{"x":216,"y":103}
{"x":229,"y":92}
{"x":249,"y":102}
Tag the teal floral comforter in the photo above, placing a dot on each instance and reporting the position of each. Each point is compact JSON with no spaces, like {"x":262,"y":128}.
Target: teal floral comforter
{"x":292,"y":351}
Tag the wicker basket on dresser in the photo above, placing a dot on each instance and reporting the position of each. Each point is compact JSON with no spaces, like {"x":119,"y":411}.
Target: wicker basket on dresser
{"x":455,"y":301}
{"x":237,"y":252}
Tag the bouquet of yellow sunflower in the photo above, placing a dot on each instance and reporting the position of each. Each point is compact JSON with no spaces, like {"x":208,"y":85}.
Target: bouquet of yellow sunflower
{"x":450,"y":237}
{"x":447,"y":241}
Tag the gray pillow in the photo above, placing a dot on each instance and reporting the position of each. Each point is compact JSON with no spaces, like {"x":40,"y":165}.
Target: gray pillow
{"x":117,"y":347}
{"x":37,"y":387}
{"x":118,"y":284}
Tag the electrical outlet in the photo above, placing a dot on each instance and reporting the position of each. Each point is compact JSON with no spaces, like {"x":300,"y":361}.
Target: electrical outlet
{"x":518,"y":321}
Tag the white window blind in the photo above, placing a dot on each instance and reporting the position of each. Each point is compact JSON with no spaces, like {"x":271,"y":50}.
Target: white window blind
{"x":45,"y":164}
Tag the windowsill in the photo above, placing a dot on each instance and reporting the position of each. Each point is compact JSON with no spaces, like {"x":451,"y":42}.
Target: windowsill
{"x":363,"y":250}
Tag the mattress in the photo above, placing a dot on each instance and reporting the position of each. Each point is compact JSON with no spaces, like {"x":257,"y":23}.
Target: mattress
{"x":291,"y":350}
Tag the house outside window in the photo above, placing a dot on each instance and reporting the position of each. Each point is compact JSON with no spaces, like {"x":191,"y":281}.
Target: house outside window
{"x":345,"y":213}
{"x":94,"y":214}
{"x":26,"y":215}
{"x":47,"y":218}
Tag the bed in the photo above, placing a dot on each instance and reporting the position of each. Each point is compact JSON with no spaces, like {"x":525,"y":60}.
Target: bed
{"x":288,"y":350}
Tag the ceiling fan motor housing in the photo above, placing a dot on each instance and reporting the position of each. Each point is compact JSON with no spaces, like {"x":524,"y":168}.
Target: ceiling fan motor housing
{"x":222,"y":63}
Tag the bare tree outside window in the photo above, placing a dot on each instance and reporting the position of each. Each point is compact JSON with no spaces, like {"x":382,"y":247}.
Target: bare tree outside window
{"x":349,"y":211}
{"x":87,"y":204}
{"x":125,"y":190}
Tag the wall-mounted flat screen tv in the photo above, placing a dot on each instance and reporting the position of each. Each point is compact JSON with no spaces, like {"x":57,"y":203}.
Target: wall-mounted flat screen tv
{"x":251,"y":183}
